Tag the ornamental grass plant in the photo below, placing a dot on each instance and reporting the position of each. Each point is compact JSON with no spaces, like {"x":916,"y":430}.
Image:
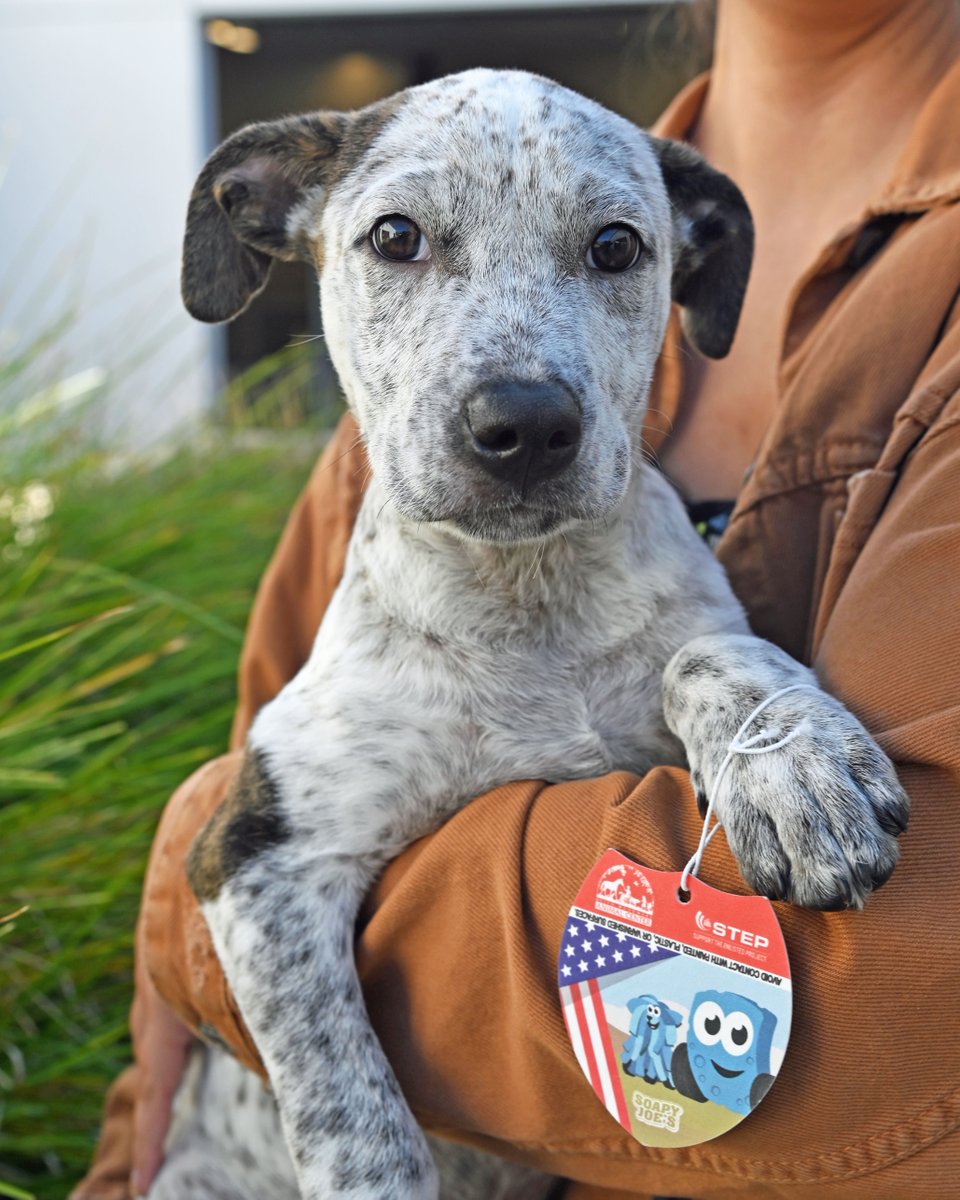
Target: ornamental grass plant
{"x":124,"y":588}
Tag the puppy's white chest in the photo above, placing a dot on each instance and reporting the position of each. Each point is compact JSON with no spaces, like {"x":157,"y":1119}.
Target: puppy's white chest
{"x":544,"y":664}
{"x":443,"y":669}
{"x":570,"y":715}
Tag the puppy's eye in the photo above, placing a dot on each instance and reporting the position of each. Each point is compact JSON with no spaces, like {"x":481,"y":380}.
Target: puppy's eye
{"x":615,"y":248}
{"x":399,"y":239}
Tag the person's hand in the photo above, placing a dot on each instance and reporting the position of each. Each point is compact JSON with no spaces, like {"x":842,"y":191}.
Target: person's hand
{"x":161,"y":1043}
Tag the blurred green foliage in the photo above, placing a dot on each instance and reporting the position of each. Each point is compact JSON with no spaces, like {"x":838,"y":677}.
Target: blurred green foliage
{"x":124,"y":589}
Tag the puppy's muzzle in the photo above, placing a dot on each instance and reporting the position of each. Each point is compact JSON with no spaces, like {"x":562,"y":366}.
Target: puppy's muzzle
{"x":522,"y":433}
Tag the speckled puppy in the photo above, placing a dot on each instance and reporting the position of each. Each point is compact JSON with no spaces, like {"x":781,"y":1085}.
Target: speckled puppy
{"x":523,"y":596}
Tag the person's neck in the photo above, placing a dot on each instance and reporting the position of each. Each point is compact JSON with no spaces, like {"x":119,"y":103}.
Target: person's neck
{"x":827,"y":89}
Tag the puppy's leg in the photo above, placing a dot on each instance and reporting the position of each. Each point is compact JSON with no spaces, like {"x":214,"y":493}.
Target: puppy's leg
{"x":281,"y":871}
{"x":814,"y":822}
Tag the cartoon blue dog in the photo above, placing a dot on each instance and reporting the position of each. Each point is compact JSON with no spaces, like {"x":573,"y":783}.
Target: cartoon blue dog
{"x":653,"y":1034}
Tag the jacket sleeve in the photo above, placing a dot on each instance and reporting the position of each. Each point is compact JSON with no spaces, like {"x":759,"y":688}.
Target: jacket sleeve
{"x":301,"y":577}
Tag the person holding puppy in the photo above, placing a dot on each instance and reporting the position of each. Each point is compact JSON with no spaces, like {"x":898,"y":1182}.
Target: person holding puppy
{"x":833,"y":427}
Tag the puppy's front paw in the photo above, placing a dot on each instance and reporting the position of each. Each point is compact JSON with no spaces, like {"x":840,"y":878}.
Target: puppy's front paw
{"x":815,"y":821}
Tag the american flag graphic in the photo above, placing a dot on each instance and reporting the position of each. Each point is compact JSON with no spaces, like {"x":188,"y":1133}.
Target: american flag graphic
{"x":588,"y":952}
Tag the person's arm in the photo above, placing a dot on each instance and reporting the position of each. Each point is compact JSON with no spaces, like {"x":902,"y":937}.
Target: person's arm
{"x":478,"y":908}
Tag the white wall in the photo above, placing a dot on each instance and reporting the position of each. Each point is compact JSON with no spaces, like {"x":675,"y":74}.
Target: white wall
{"x":102,"y":116}
{"x":100,"y":108}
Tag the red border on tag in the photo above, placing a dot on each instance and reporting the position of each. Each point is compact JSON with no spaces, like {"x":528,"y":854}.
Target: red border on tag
{"x":748,"y":932}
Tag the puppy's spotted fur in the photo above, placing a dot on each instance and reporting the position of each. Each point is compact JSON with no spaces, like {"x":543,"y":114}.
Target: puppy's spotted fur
{"x":484,"y":630}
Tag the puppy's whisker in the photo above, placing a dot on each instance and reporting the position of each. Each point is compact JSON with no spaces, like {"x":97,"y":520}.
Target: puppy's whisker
{"x":649,"y":454}
{"x":537,"y":559}
{"x":654,"y":412}
{"x":476,"y":571}
{"x":358,"y":440}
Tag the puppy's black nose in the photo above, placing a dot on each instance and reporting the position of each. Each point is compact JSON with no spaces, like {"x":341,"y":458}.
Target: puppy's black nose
{"x":523,"y":432}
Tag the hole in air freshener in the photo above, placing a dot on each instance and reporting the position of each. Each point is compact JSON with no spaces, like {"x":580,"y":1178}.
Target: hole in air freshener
{"x":676,"y":996}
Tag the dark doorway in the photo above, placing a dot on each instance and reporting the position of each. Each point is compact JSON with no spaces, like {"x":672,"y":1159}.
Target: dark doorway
{"x":632,"y":58}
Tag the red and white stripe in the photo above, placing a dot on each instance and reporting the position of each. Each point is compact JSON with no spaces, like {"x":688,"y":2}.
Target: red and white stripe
{"x":590,"y":1035}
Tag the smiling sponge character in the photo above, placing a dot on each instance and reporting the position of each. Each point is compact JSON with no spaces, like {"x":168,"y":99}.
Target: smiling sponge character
{"x":726,"y":1057}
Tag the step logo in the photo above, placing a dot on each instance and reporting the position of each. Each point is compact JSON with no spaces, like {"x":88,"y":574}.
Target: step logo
{"x":731,"y":933}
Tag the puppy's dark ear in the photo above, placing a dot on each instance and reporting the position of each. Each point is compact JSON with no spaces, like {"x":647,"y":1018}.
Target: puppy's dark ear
{"x":238,"y":219}
{"x":712,"y":246}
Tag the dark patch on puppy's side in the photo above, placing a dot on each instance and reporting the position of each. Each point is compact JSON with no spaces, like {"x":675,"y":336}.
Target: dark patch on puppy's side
{"x":248,"y":823}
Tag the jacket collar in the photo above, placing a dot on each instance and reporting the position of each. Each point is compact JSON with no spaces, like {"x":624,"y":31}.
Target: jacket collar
{"x":927,"y":173}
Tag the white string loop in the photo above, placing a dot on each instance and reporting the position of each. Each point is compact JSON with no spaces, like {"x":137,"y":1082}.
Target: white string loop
{"x":742,"y":745}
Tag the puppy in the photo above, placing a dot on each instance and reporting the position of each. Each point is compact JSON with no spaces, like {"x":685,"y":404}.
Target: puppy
{"x":523,"y":594}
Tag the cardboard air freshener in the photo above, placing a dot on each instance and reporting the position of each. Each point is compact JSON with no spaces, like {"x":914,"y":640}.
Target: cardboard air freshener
{"x":678,"y":1012}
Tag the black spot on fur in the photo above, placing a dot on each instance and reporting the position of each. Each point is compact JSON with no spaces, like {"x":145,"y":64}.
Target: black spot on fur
{"x":248,"y":823}
{"x":209,"y":1034}
{"x":695,"y":667}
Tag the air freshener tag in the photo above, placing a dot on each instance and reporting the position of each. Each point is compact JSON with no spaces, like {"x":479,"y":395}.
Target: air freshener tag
{"x":679,"y":1012}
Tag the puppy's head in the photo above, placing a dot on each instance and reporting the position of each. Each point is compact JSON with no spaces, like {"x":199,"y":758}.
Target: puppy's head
{"x":497,"y":256}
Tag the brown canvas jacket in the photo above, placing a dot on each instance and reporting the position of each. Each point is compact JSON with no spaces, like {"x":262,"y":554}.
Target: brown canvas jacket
{"x":845,"y":549}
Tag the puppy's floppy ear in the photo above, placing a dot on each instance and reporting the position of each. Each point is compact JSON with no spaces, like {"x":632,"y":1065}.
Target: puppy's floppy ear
{"x":238,"y":217}
{"x":713,"y":246}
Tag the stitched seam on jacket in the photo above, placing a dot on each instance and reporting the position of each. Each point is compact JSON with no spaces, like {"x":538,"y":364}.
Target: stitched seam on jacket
{"x":791,"y":470}
{"x":819,"y":461}
{"x":875,"y":1153}
{"x":942,"y":427}
{"x":814,"y":481}
{"x":930,"y":427}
